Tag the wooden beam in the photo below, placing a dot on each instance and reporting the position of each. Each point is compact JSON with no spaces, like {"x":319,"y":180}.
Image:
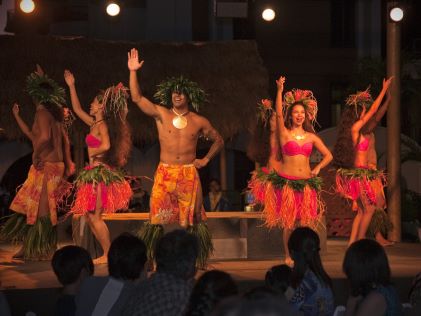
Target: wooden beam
{"x":145,"y":216}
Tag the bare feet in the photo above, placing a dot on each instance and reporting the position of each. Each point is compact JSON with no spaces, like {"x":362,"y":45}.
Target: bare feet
{"x":382,"y":241}
{"x":289,"y":262}
{"x":101,"y":260}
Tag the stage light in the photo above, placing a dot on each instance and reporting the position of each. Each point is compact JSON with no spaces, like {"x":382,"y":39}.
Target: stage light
{"x":396,"y":14}
{"x":113,"y":9}
{"x":27,"y":6}
{"x":268,"y":15}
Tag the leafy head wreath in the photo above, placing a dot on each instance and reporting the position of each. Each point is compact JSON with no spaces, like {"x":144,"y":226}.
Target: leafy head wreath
{"x":43,"y":89}
{"x":196,"y":96}
{"x":264,"y":111}
{"x":114,"y":99}
{"x":360,"y":99}
{"x":305,"y":98}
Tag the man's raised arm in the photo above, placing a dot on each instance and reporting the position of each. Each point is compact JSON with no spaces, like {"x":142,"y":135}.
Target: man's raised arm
{"x":143,"y":103}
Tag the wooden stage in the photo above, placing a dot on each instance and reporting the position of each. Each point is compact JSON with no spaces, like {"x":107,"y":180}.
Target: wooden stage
{"x":32,"y":285}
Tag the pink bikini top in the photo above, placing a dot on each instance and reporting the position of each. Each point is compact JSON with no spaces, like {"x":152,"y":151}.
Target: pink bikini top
{"x":362,"y":146}
{"x":292,"y":148}
{"x":92,"y":141}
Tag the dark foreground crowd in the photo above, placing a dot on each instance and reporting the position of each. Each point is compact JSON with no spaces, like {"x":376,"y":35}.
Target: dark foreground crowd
{"x":304,"y":289}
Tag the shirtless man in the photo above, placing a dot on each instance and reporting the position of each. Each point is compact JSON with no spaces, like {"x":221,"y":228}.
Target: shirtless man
{"x":35,"y":202}
{"x":177,"y":194}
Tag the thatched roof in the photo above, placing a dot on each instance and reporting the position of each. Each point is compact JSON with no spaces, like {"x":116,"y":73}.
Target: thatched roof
{"x":230,"y":72}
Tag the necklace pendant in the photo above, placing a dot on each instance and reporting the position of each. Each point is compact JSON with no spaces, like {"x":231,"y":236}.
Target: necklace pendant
{"x":179,"y":122}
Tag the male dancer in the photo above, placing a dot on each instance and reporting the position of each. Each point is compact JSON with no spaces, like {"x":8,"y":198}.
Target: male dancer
{"x":35,"y":203}
{"x":177,"y":194}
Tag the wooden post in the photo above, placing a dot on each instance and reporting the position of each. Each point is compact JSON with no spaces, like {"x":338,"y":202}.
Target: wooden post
{"x":394,"y":127}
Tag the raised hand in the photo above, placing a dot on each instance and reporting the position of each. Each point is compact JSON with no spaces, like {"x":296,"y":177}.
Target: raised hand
{"x":15,"y":109}
{"x":39,"y":71}
{"x":69,"y":78}
{"x":280,"y":83}
{"x":133,"y":60}
{"x":386,"y":83}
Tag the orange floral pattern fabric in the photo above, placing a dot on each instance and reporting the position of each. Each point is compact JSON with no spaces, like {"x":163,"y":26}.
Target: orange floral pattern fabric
{"x":176,"y":196}
{"x":27,"y":199}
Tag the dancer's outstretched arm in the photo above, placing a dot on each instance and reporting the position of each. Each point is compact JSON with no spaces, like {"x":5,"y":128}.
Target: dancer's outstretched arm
{"x":77,"y":107}
{"x":279,"y":105}
{"x":372,"y":123}
{"x":22,"y":125}
{"x":373,"y":109}
{"x":143,"y":103}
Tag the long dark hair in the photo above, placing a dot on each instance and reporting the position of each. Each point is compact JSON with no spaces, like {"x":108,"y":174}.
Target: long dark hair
{"x":344,"y":149}
{"x":258,"y":149}
{"x":304,"y":246}
{"x":119,"y":132}
{"x":211,"y":288}
{"x":366,"y":266}
{"x":307,"y":126}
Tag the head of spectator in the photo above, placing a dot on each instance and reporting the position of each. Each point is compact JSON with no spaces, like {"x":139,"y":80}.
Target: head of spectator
{"x":127,"y":258}
{"x":278,"y":278}
{"x":214,"y":186}
{"x":71,"y":265}
{"x":304,"y":247}
{"x":176,"y":254}
{"x":366,"y":266}
{"x":210,"y":289}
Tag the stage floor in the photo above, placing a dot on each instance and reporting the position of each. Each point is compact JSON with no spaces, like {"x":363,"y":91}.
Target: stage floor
{"x":405,"y":261}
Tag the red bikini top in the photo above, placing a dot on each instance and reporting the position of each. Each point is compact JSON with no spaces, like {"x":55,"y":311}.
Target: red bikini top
{"x":92,"y":141}
{"x":292,"y":148}
{"x":363,"y":146}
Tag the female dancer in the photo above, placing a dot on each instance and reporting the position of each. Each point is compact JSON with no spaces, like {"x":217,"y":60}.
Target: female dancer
{"x":264,"y":149}
{"x":295,"y":184}
{"x":100,"y":188}
{"x":357,"y":178}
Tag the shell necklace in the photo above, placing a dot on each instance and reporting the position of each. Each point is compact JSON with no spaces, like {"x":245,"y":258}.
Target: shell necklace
{"x":298,"y":137}
{"x":179,"y":121}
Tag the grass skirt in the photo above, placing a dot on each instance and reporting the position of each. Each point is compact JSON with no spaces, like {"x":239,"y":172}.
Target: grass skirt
{"x":363,"y":185}
{"x":115,"y":191}
{"x":151,"y":234}
{"x":287,"y":200}
{"x":39,"y":240}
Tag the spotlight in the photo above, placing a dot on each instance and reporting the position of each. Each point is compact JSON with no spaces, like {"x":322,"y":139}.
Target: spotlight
{"x":268,"y":15}
{"x":396,"y":14}
{"x":27,"y":6}
{"x":113,"y":9}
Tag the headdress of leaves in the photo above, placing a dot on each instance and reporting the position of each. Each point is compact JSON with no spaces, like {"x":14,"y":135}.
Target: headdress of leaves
{"x":44,"y":89}
{"x":114,"y":99}
{"x":69,"y":118}
{"x":305,"y":98}
{"x":196,"y":96}
{"x":264,"y":111}
{"x":361,"y":98}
